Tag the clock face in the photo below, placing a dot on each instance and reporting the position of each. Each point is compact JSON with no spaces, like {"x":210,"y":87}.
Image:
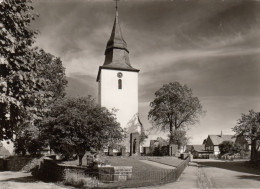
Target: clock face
{"x":119,"y":74}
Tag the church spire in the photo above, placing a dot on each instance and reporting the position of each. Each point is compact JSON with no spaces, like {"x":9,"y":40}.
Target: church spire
{"x":117,"y":53}
{"x":116,"y":39}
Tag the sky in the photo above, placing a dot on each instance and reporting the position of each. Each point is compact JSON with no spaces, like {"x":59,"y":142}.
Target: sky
{"x":212,"y":46}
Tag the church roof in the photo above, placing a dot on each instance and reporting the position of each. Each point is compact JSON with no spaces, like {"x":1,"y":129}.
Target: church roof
{"x":116,"y":39}
{"x":116,"y":53}
{"x":199,"y":148}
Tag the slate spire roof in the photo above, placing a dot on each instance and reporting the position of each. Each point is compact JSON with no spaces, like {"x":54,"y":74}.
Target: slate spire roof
{"x":117,"y":53}
{"x":116,"y":39}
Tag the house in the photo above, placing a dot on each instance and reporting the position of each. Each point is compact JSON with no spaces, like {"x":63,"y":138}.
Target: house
{"x":3,"y":151}
{"x":213,"y":141}
{"x":173,"y":150}
{"x":146,"y":145}
{"x":198,"y":151}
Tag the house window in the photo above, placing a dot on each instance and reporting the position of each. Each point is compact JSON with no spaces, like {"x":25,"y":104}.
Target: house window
{"x":120,"y":84}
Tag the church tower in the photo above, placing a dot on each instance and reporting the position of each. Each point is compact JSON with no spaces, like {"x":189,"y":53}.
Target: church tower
{"x":118,"y":83}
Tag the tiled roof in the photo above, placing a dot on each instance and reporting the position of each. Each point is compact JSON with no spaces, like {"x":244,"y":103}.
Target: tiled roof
{"x":199,"y":148}
{"x":218,"y":139}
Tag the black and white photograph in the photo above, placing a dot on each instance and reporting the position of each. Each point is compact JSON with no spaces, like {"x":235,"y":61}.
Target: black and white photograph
{"x":129,"y":94}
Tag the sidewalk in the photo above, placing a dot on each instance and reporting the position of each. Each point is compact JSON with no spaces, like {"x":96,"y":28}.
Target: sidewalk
{"x":187,"y":180}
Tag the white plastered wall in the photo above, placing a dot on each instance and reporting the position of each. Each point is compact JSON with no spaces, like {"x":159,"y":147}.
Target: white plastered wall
{"x":125,"y":100}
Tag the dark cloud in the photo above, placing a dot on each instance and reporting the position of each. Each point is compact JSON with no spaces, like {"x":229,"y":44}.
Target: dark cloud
{"x":81,"y":85}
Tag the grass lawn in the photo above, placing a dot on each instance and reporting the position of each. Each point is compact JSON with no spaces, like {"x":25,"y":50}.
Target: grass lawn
{"x":143,"y":174}
{"x":171,"y":161}
{"x":138,"y":166}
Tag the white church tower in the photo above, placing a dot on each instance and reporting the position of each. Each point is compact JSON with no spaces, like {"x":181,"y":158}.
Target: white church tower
{"x":118,"y":82}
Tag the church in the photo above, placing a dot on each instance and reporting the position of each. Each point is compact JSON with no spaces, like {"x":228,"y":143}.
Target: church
{"x":118,"y":87}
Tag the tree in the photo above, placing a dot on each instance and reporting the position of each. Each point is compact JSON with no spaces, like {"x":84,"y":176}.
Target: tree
{"x":28,"y":135}
{"x":249,"y":127}
{"x":179,"y":138}
{"x":226,"y":147}
{"x":75,"y":125}
{"x":15,"y":63}
{"x":174,"y":107}
{"x":20,"y":86}
{"x":229,"y":147}
{"x":28,"y":140}
{"x":25,"y":83}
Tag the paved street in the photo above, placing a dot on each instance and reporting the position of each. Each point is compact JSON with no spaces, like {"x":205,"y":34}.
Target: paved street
{"x":215,"y":174}
{"x":19,"y":180}
{"x":219,"y":174}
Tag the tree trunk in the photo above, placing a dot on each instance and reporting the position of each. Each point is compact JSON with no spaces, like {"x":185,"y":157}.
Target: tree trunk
{"x":253,"y":151}
{"x":80,"y":159}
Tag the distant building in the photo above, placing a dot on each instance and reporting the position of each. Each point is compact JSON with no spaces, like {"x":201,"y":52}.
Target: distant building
{"x":198,"y":151}
{"x":3,"y":151}
{"x":213,"y":141}
{"x":158,"y":146}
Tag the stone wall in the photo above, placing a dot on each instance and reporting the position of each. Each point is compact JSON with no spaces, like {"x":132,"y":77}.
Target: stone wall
{"x":16,"y":163}
{"x":19,"y":163}
{"x":2,"y":164}
{"x":50,"y":170}
{"x":115,"y":173}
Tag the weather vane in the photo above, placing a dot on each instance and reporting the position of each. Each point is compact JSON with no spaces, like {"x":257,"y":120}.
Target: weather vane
{"x":116,"y":3}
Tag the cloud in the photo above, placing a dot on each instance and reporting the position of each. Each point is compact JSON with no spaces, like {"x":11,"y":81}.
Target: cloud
{"x":212,"y":46}
{"x":81,"y":85}
{"x":222,"y":115}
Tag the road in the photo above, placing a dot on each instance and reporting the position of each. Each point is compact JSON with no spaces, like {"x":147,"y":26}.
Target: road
{"x":226,"y":174}
{"x":216,"y":174}
{"x":20,"y":180}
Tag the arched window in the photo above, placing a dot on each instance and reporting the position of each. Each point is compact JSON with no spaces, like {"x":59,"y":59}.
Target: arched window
{"x":119,"y":84}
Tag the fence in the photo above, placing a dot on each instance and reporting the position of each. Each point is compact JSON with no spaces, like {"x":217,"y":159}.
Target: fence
{"x":111,"y":179}
{"x":137,"y":179}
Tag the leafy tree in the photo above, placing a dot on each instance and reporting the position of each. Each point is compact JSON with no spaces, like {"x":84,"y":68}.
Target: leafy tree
{"x":76,"y":125}
{"x":249,"y":127}
{"x":28,"y":140}
{"x":226,"y":147}
{"x":30,"y":79}
{"x":179,"y":138}
{"x":174,"y":107}
{"x":16,"y":64}
{"x":229,"y":147}
{"x":28,"y":135}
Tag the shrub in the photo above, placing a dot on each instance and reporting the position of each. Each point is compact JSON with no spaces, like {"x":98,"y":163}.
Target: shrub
{"x":79,"y":180}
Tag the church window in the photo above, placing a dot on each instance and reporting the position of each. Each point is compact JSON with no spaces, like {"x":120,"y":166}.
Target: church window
{"x":120,"y":84}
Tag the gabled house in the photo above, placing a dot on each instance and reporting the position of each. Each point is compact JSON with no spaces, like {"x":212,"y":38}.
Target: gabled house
{"x":198,"y":151}
{"x":213,"y":141}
